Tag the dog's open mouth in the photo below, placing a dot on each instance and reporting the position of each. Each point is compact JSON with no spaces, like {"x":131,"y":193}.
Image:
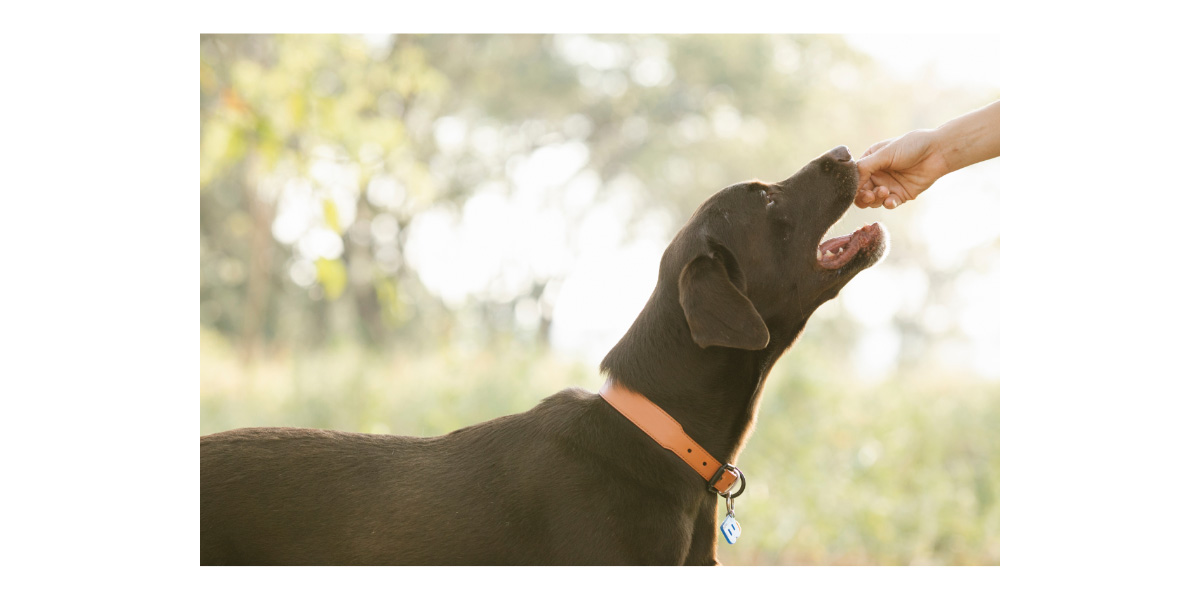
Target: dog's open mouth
{"x":868,"y":240}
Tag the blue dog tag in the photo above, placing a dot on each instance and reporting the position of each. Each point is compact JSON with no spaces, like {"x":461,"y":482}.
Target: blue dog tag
{"x":731,"y":529}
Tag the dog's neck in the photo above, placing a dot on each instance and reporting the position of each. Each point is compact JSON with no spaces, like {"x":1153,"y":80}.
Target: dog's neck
{"x":712,"y":392}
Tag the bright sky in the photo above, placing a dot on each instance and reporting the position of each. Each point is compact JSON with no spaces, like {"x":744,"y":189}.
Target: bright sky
{"x":969,"y":59}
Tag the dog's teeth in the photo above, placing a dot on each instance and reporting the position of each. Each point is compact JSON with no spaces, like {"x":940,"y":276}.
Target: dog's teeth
{"x":828,"y":255}
{"x":818,"y":254}
{"x":840,"y":250}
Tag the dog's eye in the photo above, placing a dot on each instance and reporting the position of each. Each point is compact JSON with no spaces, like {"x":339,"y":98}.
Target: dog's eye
{"x":767,"y":198}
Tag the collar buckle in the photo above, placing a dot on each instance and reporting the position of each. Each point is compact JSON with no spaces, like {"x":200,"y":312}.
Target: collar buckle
{"x":716,"y":479}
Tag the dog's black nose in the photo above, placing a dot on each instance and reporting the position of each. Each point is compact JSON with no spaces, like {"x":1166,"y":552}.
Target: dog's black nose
{"x":840,"y":154}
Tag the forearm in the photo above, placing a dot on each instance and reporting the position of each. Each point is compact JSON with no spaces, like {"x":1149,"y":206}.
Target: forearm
{"x":971,"y":138}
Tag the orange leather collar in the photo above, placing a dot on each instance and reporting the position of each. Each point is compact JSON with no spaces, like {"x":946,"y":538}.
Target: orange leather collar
{"x":670,"y":435}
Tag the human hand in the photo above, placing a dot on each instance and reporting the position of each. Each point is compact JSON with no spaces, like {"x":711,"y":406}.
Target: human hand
{"x":895,"y":171}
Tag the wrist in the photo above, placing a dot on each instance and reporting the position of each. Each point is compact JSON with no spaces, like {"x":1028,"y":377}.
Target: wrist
{"x":941,"y":150}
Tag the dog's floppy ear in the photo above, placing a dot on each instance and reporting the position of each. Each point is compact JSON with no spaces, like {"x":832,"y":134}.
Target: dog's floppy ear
{"x":719,"y":314}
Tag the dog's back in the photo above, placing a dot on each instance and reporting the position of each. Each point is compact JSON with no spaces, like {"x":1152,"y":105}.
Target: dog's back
{"x":475,"y":496}
{"x":268,"y":494}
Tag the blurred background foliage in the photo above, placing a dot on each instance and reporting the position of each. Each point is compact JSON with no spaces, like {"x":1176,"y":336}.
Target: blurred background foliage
{"x":338,"y":175}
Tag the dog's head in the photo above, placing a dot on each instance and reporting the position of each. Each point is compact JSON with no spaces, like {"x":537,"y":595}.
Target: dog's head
{"x":750,"y":265}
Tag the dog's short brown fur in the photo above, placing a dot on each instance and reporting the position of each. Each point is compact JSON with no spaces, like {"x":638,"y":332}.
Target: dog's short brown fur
{"x":570,"y":481}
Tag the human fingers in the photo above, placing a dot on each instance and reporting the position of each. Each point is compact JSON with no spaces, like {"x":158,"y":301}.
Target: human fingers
{"x":881,"y":194}
{"x":865,"y":194}
{"x":871,"y":198}
{"x":864,"y":198}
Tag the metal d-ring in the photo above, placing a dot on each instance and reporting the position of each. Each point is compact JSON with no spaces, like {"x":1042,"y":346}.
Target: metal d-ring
{"x":742,"y":488}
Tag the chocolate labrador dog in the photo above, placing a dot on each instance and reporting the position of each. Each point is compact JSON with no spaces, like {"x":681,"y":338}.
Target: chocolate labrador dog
{"x":572,"y":481}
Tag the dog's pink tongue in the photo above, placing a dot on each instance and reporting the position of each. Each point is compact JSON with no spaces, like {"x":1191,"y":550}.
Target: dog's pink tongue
{"x":836,"y":252}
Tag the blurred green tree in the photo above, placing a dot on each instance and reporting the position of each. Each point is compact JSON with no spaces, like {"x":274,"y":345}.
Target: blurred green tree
{"x":380,"y":129}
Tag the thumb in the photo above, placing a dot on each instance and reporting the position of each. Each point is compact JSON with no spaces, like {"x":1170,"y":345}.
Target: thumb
{"x":873,"y":148}
{"x":869,"y":164}
{"x":877,"y":157}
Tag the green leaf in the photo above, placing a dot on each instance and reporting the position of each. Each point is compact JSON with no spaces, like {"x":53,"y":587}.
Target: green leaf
{"x":331,"y":215}
{"x":332,"y":275}
{"x":297,"y":108}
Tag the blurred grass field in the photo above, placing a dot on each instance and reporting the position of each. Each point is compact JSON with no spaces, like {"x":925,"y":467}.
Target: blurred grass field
{"x":897,"y":472}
